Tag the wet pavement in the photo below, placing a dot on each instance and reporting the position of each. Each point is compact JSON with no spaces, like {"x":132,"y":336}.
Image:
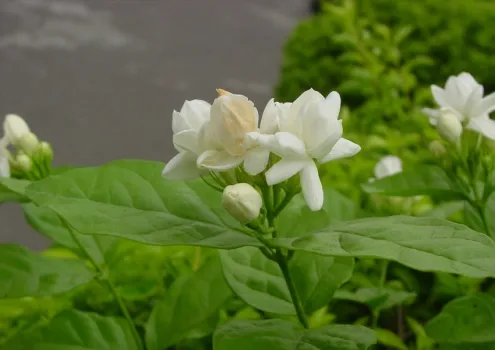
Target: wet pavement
{"x":99,"y":79}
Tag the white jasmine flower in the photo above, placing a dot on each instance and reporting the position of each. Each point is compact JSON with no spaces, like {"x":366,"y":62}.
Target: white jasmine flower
{"x":242,"y":201}
{"x":449,"y":126}
{"x":187,"y":125}
{"x":463,"y":95}
{"x":388,"y":166}
{"x":311,"y":131}
{"x":227,"y":146}
{"x":4,"y":158}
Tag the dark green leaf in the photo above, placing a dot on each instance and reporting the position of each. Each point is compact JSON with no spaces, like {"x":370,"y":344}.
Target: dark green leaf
{"x":260,"y":282}
{"x":23,"y":273}
{"x":75,"y":330}
{"x":424,"y":180}
{"x":283,"y":335}
{"x":383,"y":298}
{"x":466,"y":319}
{"x":131,"y":200}
{"x":422,"y":243}
{"x":188,"y":306}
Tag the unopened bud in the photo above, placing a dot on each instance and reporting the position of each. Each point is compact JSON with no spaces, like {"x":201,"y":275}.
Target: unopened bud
{"x":15,"y":128}
{"x":222,"y":92}
{"x":242,"y":201}
{"x":24,"y":163}
{"x":449,"y":126}
{"x":46,"y":149}
{"x":437,"y":149}
{"x":29,"y":143}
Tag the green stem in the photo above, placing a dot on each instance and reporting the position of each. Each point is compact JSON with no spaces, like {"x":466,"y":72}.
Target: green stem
{"x":104,"y":277}
{"x":284,"y":266}
{"x":383,"y":279}
{"x":288,"y":197}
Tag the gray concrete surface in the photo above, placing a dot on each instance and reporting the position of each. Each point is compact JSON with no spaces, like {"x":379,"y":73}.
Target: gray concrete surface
{"x":99,"y":78}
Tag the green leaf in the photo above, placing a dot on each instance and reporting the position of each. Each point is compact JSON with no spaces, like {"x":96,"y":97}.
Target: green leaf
{"x":260,"y":282}
{"x":423,"y":342}
{"x":422,"y":243}
{"x":424,"y":180}
{"x":257,"y":280}
{"x":23,"y":273}
{"x":130,"y":199}
{"x":75,"y":330}
{"x":445,"y":210}
{"x":472,"y":218}
{"x":297,"y":219}
{"x":13,"y":190}
{"x":390,"y":339}
{"x":188,"y":306}
{"x":466,"y":319}
{"x":382,"y":298}
{"x":284,"y":335}
{"x":47,"y":222}
{"x":468,"y":346}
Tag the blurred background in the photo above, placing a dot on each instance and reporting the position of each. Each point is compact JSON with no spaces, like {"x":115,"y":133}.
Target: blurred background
{"x":100,"y":79}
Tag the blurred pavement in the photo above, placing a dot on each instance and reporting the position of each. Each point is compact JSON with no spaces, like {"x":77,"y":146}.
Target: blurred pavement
{"x":99,"y":78}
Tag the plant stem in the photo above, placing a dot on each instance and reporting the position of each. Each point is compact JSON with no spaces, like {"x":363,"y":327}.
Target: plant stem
{"x":288,"y":197}
{"x":284,"y":266}
{"x":383,"y":279}
{"x":104,"y":277}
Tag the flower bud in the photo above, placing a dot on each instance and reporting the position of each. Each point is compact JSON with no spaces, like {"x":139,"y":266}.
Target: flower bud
{"x":29,"y":143}
{"x":23,"y":162}
{"x":449,"y":126}
{"x":15,"y":128}
{"x":242,"y":201}
{"x":437,"y":149}
{"x":46,"y":150}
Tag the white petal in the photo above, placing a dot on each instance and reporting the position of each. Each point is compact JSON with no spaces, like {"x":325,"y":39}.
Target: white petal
{"x":387,"y":166}
{"x":218,"y":160}
{"x":192,"y":115}
{"x":473,"y":101}
{"x":269,"y":119}
{"x":483,"y":125}
{"x":342,"y":149}
{"x":182,"y":167}
{"x":284,"y":170}
{"x":485,"y":106}
{"x":306,"y":98}
{"x":468,"y":81}
{"x":321,"y":130}
{"x":332,"y":104}
{"x":432,"y":114}
{"x":311,"y":186}
{"x":256,"y":160}
{"x":4,"y":166}
{"x":287,"y":145}
{"x":440,"y":96}
{"x":186,"y":140}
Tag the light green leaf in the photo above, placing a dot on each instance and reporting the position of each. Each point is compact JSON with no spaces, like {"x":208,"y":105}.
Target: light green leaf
{"x":47,"y":222}
{"x":466,"y":319}
{"x":260,"y":282}
{"x":130,"y":199}
{"x":23,"y":273}
{"x":423,"y":180}
{"x":297,"y":219}
{"x":390,"y":339}
{"x":382,"y":298}
{"x":446,"y":209}
{"x":422,"y":243}
{"x":284,"y":335}
{"x":423,"y":342}
{"x":188,"y":306}
{"x":13,"y":190}
{"x":75,"y":330}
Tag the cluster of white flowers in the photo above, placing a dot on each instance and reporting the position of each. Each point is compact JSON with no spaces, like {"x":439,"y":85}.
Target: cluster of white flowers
{"x":462,"y":105}
{"x":228,"y":134}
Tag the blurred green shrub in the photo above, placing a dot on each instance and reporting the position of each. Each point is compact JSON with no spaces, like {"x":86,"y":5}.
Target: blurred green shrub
{"x":382,"y":56}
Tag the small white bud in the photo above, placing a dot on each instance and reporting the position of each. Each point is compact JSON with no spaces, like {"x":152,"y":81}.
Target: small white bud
{"x":24,"y":163}
{"x":15,"y":128}
{"x":29,"y":143}
{"x":242,"y":201}
{"x":46,"y":150}
{"x":449,"y":126}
